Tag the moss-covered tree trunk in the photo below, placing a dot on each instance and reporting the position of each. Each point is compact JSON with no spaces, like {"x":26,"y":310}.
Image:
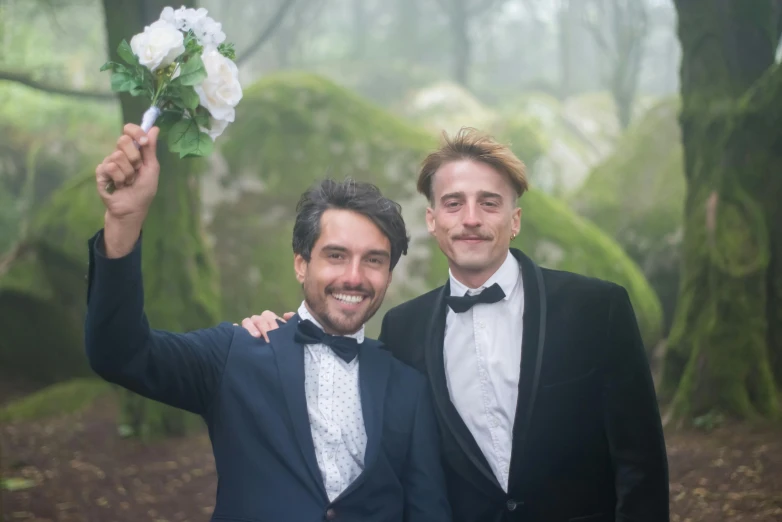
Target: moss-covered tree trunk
{"x":180,"y":282}
{"x":727,"y":321}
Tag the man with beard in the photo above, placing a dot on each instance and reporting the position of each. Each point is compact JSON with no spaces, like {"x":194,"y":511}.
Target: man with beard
{"x":540,"y":380}
{"x":318,"y":422}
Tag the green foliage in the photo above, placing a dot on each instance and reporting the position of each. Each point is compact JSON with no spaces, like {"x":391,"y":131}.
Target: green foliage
{"x":62,"y":398}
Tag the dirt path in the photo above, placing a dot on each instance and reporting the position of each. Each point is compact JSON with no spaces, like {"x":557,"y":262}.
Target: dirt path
{"x":83,"y":472}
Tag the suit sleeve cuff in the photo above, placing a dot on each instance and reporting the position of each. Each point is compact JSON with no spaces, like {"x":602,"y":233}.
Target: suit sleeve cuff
{"x":117,"y":270}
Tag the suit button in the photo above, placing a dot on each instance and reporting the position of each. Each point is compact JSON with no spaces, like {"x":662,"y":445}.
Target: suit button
{"x":511,"y":505}
{"x":331,"y":514}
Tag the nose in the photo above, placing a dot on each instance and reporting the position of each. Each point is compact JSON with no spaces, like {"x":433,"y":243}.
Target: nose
{"x":472,"y":215}
{"x":353,"y":275}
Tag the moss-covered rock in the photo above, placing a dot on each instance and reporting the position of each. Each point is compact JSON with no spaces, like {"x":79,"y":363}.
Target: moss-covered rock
{"x":42,"y":230}
{"x":637,"y":197}
{"x":62,"y":398}
{"x":580,"y":132}
{"x":295,"y":129}
{"x":42,"y":288}
{"x":446,"y":106}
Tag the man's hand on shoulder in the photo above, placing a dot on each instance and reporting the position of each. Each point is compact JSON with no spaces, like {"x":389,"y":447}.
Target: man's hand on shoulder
{"x":260,"y":325}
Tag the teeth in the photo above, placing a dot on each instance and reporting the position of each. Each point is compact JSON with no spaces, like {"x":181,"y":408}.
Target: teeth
{"x":352,"y":299}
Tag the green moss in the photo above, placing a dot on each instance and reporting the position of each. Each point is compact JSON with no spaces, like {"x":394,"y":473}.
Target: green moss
{"x":555,"y":237}
{"x":718,"y":359}
{"x":63,"y":398}
{"x":296,"y":127}
{"x":637,"y":196}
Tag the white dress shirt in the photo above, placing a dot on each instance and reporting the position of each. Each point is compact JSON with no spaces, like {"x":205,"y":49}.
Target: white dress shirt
{"x":334,"y":408}
{"x":482,"y":355}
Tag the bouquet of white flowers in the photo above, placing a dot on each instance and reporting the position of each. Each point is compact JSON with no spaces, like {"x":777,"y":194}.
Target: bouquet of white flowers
{"x":182,"y":64}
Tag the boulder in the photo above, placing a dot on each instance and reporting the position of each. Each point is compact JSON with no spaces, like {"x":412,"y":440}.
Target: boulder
{"x":637,"y":196}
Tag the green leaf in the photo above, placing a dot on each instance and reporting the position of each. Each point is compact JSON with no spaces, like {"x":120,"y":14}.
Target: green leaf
{"x":123,"y":81}
{"x":188,"y":96}
{"x":168,"y":119}
{"x":202,"y":118}
{"x":186,"y":138}
{"x":227,"y":50}
{"x":126,"y":53}
{"x":201,"y":148}
{"x":16,"y":484}
{"x":114,"y":66}
{"x":192,"y":47}
{"x":193,"y":71}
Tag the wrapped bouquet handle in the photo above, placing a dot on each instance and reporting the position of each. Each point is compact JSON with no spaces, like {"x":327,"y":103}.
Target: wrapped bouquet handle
{"x":182,"y":64}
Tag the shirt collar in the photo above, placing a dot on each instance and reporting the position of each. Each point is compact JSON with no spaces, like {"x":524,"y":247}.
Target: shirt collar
{"x":506,"y":276}
{"x":305,"y":314}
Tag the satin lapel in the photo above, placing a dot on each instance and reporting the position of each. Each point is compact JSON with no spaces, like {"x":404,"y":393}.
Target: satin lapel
{"x":290,"y":364}
{"x":447,"y":413}
{"x":532,"y":345}
{"x":373,"y":370}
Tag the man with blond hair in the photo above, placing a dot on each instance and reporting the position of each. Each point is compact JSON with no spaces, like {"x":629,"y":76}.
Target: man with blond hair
{"x":541,"y":384}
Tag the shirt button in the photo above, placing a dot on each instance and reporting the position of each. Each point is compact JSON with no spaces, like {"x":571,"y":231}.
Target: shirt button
{"x":331,"y":514}
{"x":480,"y":324}
{"x":511,"y":505}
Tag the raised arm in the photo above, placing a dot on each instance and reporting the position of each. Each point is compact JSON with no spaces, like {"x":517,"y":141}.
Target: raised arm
{"x":632,"y":420}
{"x":182,"y":370}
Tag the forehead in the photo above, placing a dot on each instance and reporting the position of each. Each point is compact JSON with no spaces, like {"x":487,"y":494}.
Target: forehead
{"x":350,"y":230}
{"x":469,"y":177}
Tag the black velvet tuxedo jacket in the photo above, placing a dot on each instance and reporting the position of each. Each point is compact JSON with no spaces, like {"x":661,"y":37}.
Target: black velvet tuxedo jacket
{"x":587,"y":438}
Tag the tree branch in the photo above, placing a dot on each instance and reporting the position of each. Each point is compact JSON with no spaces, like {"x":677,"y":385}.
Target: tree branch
{"x":25,"y":79}
{"x":268,"y":31}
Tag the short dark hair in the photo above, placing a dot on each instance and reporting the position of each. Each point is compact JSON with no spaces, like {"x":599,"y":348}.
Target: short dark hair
{"x":363,"y":198}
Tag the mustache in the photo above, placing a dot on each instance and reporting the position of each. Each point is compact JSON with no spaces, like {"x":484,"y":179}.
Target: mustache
{"x":368,"y":292}
{"x":472,"y":235}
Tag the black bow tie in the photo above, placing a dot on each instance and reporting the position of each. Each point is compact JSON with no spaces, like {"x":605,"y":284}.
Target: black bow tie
{"x":345,"y":347}
{"x":493,"y":294}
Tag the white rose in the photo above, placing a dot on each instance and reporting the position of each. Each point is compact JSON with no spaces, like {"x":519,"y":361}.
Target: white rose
{"x":217,"y":127}
{"x":208,"y":32}
{"x":158,"y":46}
{"x":221,"y":91}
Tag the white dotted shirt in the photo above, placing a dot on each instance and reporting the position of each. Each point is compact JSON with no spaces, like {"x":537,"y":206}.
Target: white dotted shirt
{"x":334,"y":408}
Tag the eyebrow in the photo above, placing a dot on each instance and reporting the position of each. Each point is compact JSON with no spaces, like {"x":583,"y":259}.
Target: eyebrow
{"x":482,"y":194}
{"x":337,"y":248}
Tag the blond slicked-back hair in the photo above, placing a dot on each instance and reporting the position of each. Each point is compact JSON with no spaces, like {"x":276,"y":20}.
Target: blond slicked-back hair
{"x":471,"y":144}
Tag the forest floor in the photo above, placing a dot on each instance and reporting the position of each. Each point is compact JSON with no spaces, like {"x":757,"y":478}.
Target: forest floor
{"x":73,"y":467}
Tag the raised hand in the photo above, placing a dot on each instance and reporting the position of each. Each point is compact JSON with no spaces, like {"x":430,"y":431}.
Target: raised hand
{"x":134,"y":172}
{"x":127,"y":181}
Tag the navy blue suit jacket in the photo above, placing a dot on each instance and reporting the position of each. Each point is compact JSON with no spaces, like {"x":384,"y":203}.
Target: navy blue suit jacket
{"x":251,"y":395}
